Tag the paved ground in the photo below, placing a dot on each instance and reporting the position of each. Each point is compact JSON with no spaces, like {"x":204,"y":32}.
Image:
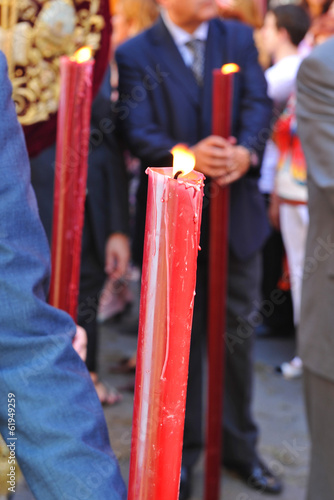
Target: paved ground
{"x":278,"y":408}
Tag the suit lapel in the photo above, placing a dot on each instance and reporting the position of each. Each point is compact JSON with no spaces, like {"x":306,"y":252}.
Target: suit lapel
{"x":171,"y":60}
{"x":217,"y":53}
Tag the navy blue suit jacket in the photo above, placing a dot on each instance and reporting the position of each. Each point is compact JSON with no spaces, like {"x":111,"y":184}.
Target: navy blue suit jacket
{"x":161,"y":105}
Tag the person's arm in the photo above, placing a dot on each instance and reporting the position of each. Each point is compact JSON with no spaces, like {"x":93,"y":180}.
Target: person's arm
{"x":117,"y":249}
{"x":62,"y":440}
{"x":108,"y":186}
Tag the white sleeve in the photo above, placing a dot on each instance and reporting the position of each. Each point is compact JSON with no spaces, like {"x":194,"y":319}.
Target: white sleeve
{"x":281,"y":84}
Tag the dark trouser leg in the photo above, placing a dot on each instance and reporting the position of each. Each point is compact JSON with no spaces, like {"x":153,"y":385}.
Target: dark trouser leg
{"x":272,"y":258}
{"x":42,"y":179}
{"x":240,"y":431}
{"x":92,"y":274}
{"x":92,"y":277}
{"x":193,"y":441}
{"x":87,"y":310}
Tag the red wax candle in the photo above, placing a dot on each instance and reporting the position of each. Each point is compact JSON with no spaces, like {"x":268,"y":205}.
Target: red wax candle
{"x":73,"y":129}
{"x":219,"y":210}
{"x":167,"y":298}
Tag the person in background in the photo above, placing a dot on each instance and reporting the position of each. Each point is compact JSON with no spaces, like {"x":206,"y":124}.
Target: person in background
{"x":315,"y":9}
{"x":105,"y":242}
{"x":284,"y":28}
{"x":129,"y":19}
{"x":246,"y":11}
{"x":323,"y":27}
{"x":315,"y":120}
{"x":60,"y":431}
{"x":290,"y":193}
{"x":171,"y":63}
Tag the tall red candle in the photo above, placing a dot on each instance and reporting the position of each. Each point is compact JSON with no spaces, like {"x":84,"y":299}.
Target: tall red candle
{"x":219,"y":211}
{"x":73,"y":129}
{"x":167,"y":298}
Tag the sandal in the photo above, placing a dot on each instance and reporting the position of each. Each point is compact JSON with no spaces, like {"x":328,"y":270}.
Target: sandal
{"x":106,"y":396}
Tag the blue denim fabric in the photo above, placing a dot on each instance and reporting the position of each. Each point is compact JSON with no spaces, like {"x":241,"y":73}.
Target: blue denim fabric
{"x":62,"y":440}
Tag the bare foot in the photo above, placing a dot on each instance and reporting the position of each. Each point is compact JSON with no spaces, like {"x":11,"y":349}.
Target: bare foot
{"x":105,"y":395}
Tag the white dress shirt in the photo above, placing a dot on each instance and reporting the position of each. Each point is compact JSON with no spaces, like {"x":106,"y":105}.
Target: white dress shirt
{"x":182,"y":37}
{"x":281,"y":78}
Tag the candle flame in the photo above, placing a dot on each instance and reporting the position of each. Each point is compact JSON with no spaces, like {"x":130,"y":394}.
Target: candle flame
{"x":82,"y":55}
{"x":230,"y":68}
{"x":184,"y":160}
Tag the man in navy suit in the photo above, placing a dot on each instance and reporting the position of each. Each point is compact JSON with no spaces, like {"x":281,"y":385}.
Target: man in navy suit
{"x":165,"y":100}
{"x":60,"y":437}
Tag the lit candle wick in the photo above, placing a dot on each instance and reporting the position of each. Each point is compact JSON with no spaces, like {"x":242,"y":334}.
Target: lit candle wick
{"x":183,"y":160}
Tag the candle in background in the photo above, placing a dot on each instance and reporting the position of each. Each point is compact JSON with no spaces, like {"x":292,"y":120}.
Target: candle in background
{"x":172,"y":236}
{"x":222,"y":95}
{"x":73,"y":129}
{"x":222,"y":102}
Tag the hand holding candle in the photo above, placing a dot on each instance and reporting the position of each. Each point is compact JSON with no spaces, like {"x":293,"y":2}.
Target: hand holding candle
{"x":221,"y":159}
{"x":218,"y":156}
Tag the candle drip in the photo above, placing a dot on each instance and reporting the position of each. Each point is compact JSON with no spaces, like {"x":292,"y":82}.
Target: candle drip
{"x":162,"y":377}
{"x":166,"y":309}
{"x":70,"y":182}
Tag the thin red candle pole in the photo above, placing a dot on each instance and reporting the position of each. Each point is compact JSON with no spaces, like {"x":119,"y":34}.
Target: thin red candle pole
{"x":218,"y":257}
{"x":167,"y":298}
{"x":73,"y":129}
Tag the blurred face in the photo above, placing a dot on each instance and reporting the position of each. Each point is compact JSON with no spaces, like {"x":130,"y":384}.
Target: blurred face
{"x":120,"y":26}
{"x":271,"y":34}
{"x":189,"y":14}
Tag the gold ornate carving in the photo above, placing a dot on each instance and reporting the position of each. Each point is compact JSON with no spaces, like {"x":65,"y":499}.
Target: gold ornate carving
{"x":5,"y":469}
{"x":34,"y":35}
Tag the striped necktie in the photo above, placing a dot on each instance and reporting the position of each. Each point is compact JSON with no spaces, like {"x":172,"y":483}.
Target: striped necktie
{"x":197,"y":49}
